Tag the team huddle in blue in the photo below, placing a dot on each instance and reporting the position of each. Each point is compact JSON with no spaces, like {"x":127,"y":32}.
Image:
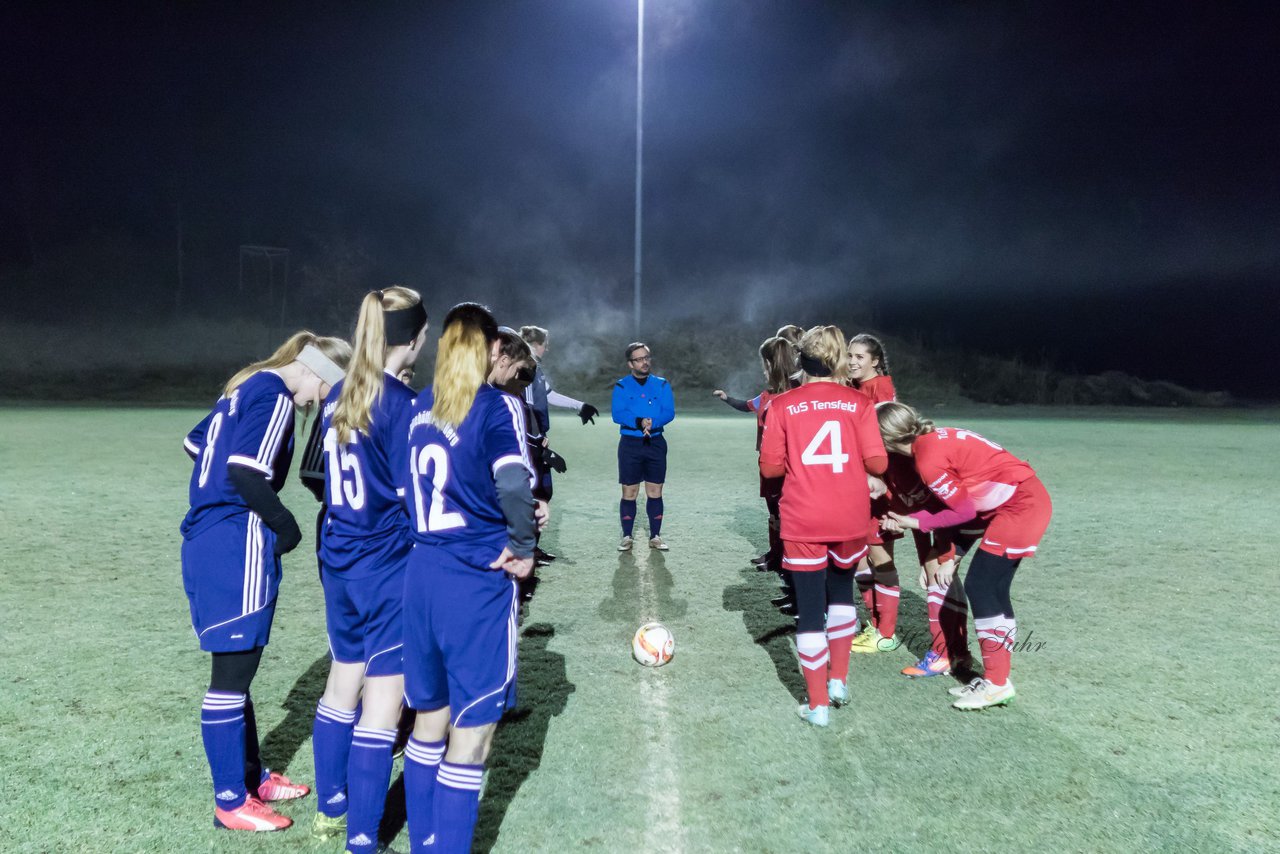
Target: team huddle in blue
{"x":432,"y":508}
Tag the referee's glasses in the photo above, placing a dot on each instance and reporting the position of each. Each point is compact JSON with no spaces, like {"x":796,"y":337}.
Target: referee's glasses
{"x":641,"y":359}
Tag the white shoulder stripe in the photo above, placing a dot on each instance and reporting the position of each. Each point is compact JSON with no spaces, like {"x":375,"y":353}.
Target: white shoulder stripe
{"x":517,"y":424}
{"x":275,"y":430}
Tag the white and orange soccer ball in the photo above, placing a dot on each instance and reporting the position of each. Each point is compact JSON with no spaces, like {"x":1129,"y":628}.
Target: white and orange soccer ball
{"x":653,"y":645}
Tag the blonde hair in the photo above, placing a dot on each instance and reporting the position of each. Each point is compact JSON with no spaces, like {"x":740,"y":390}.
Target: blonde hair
{"x":336,"y":349}
{"x":825,"y":344}
{"x":900,"y":424}
{"x":462,"y":361}
{"x":779,"y":359}
{"x":362,"y":386}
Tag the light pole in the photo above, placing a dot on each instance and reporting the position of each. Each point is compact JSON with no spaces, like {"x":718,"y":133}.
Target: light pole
{"x":639,"y":149}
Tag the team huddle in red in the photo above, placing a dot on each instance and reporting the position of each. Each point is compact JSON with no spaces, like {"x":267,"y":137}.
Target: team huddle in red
{"x":846,"y":471}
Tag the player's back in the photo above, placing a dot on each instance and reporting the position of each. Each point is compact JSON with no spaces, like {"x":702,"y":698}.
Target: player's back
{"x":987,"y":472}
{"x":365,"y":522}
{"x":252,"y":428}
{"x":825,"y":431}
{"x":453,"y":499}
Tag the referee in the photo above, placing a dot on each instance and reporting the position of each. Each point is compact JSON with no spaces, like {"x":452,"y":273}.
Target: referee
{"x":642,"y":406}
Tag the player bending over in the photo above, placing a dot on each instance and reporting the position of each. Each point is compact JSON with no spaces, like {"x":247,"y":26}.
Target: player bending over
{"x":975,"y":477}
{"x":232,"y":539}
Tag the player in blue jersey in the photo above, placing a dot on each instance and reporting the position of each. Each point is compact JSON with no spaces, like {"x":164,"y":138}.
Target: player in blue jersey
{"x":473,"y":520}
{"x":642,"y":407}
{"x":364,"y":546}
{"x":233,"y":537}
{"x":540,"y":397}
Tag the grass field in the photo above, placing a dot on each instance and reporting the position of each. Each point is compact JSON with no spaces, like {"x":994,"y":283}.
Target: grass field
{"x":1146,"y":717}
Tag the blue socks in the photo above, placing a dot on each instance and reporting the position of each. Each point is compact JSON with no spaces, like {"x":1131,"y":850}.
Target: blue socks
{"x":222,"y":728}
{"x":330,"y":744}
{"x":653,"y":507}
{"x":627,"y":511}
{"x":421,"y":764}
{"x":368,"y":776}
{"x":457,"y":803}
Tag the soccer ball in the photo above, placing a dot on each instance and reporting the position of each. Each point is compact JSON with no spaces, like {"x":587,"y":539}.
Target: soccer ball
{"x":653,"y":645}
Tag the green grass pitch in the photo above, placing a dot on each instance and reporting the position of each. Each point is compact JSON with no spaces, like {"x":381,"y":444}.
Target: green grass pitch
{"x":1146,"y":716}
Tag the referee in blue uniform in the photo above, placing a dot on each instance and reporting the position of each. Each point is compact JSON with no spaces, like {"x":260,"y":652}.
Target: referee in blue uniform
{"x":642,"y":406}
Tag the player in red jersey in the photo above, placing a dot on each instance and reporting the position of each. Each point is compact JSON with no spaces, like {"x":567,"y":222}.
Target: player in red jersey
{"x":822,"y":438}
{"x":946,"y":606}
{"x":869,"y":368}
{"x":876,"y":575}
{"x":975,"y":477}
{"x":778,"y":359}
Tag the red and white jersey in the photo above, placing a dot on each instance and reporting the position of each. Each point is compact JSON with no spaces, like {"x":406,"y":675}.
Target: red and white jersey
{"x":821,"y":433}
{"x":956,"y":464}
{"x":880,"y":389}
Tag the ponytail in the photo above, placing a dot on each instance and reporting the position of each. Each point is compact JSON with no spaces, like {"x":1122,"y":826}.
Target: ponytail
{"x":462,"y":361}
{"x":362,"y":386}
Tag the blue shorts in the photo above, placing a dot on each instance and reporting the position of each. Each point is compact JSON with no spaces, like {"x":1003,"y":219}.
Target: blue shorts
{"x":641,"y":461}
{"x":459,"y":637}
{"x":231,"y":576}
{"x":363,"y":618}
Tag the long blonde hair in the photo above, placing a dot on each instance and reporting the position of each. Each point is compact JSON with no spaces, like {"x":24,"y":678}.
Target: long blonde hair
{"x":901,"y":424}
{"x":362,"y":386}
{"x":825,"y":345}
{"x":462,"y":361}
{"x":336,"y":349}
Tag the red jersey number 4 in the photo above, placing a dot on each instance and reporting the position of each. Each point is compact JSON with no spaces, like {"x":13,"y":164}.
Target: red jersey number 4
{"x":835,"y":457}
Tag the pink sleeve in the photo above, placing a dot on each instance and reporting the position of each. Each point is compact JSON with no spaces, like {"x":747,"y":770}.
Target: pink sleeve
{"x":962,"y":512}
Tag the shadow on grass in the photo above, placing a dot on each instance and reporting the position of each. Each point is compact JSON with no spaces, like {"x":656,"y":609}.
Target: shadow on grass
{"x":282,"y":743}
{"x":625,"y":606}
{"x":767,"y":627}
{"x":544,"y":690}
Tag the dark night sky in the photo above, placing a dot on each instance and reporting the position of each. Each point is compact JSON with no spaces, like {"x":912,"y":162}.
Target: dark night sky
{"x":1092,"y":183}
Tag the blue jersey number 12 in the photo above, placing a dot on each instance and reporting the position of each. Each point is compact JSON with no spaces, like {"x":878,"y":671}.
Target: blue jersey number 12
{"x":434,"y":517}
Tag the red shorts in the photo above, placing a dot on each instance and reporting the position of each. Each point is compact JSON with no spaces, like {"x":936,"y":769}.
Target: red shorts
{"x":811,"y":557}
{"x":1018,"y":525}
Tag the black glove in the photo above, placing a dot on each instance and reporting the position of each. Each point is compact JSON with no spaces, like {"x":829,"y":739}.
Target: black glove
{"x":554,"y":461}
{"x":287,"y":532}
{"x":588,"y":413}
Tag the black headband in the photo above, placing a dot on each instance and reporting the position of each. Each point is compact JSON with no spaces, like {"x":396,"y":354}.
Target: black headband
{"x":813,"y":367}
{"x":403,"y":324}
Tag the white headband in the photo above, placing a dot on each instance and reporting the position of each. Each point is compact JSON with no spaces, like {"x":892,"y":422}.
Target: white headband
{"x":320,"y":364}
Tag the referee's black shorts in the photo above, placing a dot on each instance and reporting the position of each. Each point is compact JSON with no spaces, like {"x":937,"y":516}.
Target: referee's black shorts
{"x":642,"y":460}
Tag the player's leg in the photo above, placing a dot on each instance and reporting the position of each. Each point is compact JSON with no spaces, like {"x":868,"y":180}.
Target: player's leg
{"x":987,"y":586}
{"x":230,"y":576}
{"x":808,"y":563}
{"x":842,"y":623}
{"x":373,"y":740}
{"x":479,"y":646}
{"x":630,"y":476}
{"x":427,"y":691}
{"x":655,"y":474}
{"x":335,"y":718}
